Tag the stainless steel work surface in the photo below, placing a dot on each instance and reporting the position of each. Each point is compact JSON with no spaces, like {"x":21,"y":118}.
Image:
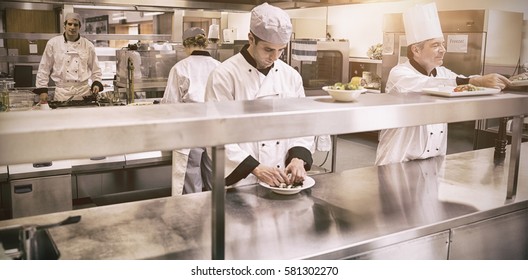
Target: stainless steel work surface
{"x":132,"y":129}
{"x":343,"y":214}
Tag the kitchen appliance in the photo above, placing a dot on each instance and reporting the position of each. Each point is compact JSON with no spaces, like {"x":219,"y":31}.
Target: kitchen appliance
{"x":330,"y":67}
{"x":40,"y":188}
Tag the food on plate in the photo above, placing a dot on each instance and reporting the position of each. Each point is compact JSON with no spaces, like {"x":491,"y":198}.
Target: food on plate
{"x":468,"y":87}
{"x":290,"y":186}
{"x":345,"y":86}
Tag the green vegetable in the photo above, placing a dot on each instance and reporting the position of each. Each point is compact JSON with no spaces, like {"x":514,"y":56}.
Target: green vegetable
{"x":349,"y":86}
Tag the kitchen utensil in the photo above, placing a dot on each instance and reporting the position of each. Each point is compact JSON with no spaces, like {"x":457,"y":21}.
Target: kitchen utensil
{"x":67,"y":221}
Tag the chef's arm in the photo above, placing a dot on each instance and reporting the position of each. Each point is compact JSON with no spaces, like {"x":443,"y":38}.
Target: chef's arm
{"x":300,"y":153}
{"x":490,"y":80}
{"x":242,"y":170}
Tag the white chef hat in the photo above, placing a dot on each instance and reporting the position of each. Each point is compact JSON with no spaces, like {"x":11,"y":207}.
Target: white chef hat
{"x":271,"y":24}
{"x":73,"y":16}
{"x":192,"y":32}
{"x":422,"y":23}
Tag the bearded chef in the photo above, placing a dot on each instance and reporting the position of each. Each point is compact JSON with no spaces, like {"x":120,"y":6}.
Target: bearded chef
{"x":425,"y":51}
{"x":257,"y":73}
{"x":70,"y":61}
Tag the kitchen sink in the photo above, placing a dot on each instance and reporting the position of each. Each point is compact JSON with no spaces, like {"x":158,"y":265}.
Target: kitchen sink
{"x":14,"y":249}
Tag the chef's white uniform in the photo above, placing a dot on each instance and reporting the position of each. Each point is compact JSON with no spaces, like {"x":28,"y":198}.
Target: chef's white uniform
{"x":188,"y":78}
{"x":237,"y":79}
{"x":417,"y":142}
{"x":191,"y":168}
{"x":70,"y":65}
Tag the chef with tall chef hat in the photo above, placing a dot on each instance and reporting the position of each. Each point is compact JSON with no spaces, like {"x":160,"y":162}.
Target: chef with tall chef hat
{"x":256,"y":72}
{"x":425,"y":50}
{"x":70,"y":61}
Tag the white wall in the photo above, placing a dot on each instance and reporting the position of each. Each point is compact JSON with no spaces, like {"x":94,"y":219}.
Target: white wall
{"x":361,"y":24}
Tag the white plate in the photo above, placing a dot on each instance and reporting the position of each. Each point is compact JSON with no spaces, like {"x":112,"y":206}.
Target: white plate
{"x":307,"y":183}
{"x":141,"y":103}
{"x":448,"y":91}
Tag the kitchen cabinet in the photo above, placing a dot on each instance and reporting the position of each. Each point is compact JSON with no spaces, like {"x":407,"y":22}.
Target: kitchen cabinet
{"x":497,"y":238}
{"x":173,"y":126}
{"x":431,"y":247}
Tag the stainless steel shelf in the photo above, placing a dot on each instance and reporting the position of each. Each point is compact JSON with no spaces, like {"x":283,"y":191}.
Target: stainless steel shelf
{"x":173,"y":126}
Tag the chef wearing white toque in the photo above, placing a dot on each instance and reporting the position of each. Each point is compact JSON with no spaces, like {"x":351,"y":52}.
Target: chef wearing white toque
{"x":425,"y":51}
{"x":191,"y":168}
{"x":257,"y":73}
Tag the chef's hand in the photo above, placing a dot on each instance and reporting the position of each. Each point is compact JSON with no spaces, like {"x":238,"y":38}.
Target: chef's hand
{"x":272,"y":176}
{"x":43,"y":97}
{"x":95,"y":90}
{"x":490,"y":81}
{"x":296,"y":171}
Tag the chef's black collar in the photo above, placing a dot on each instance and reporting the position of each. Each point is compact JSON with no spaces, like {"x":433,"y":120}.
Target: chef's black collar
{"x":66,"y":40}
{"x":460,"y":80}
{"x":421,"y":69}
{"x":203,"y":53}
{"x":252,"y":61}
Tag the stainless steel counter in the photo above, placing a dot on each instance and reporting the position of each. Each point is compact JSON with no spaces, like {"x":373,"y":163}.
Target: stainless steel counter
{"x":343,"y":215}
{"x":172,"y":126}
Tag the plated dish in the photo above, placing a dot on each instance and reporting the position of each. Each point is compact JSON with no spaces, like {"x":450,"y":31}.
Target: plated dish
{"x":449,"y":91}
{"x":344,"y":95}
{"x":307,"y":183}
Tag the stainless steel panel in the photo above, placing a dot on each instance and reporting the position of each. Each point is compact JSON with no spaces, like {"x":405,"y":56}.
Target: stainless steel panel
{"x":3,"y":173}
{"x":144,"y":178}
{"x":148,"y":158}
{"x":98,"y":164}
{"x":431,"y":247}
{"x":171,"y":126}
{"x":43,"y":195}
{"x":40,"y":169}
{"x":500,"y":238}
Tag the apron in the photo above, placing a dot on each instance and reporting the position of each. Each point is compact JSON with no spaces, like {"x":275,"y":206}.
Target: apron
{"x":64,"y":91}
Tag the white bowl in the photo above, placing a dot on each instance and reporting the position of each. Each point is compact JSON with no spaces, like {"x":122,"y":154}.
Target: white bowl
{"x":344,"y":95}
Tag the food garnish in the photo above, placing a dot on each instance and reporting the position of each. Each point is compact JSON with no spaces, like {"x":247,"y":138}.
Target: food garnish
{"x":346,"y":86}
{"x":468,"y":87}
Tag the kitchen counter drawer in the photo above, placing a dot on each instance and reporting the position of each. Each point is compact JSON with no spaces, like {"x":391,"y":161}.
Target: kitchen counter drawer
{"x":42,"y":195}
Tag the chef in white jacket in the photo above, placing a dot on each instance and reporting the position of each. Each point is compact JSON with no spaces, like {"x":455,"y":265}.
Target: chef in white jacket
{"x":257,"y":73}
{"x":425,"y":50}
{"x":70,"y":61}
{"x":191,"y":168}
